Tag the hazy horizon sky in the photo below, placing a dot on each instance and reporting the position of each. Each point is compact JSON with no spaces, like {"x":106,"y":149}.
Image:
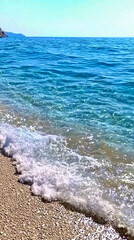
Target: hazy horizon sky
{"x":83,"y":18}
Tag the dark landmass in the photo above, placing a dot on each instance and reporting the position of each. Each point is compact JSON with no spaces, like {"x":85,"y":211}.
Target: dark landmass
{"x":2,"y":34}
{"x":15,"y":35}
{"x":10,"y":34}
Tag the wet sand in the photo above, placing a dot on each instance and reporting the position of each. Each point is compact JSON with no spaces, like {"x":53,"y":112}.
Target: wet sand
{"x":23,"y":216}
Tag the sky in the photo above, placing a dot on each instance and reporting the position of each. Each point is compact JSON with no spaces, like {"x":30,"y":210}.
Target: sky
{"x":76,"y":18}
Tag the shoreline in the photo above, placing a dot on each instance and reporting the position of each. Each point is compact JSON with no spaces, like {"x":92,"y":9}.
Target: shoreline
{"x":24,"y":216}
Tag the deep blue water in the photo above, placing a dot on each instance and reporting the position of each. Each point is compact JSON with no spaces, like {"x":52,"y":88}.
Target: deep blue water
{"x":83,"y":90}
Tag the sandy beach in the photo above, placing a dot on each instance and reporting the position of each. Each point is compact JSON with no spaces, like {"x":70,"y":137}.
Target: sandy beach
{"x":23,"y":216}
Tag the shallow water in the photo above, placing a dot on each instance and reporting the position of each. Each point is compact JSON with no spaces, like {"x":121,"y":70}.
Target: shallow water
{"x":67,"y":117}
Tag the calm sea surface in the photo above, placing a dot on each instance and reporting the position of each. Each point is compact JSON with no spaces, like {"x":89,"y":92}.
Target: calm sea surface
{"x":67,"y":117}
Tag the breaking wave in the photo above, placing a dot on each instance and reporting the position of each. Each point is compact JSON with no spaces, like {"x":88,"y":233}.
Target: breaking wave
{"x":55,"y":172}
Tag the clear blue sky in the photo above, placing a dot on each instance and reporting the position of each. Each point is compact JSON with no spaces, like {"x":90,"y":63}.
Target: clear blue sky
{"x":68,"y":17}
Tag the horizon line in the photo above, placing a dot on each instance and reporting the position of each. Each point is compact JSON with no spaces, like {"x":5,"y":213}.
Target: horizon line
{"x":82,"y":36}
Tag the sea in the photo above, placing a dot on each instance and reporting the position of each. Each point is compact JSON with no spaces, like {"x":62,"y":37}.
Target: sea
{"x":67,"y":121}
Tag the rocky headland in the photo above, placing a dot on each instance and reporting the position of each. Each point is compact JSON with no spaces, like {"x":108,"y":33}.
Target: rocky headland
{"x":2,"y":33}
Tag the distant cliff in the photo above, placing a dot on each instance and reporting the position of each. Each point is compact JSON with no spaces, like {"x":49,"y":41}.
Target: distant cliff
{"x":15,"y":35}
{"x":10,"y":34}
{"x":2,"y":34}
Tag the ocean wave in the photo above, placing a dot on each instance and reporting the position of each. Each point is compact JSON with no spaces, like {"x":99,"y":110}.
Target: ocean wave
{"x":53,"y":171}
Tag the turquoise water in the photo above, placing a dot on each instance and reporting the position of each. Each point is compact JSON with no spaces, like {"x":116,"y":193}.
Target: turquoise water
{"x":68,"y":103}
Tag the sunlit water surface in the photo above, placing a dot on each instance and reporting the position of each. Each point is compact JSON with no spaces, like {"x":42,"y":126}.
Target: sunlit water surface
{"x":67,"y":117}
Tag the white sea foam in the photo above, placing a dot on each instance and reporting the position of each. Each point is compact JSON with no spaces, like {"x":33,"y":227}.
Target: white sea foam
{"x":53,"y":171}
